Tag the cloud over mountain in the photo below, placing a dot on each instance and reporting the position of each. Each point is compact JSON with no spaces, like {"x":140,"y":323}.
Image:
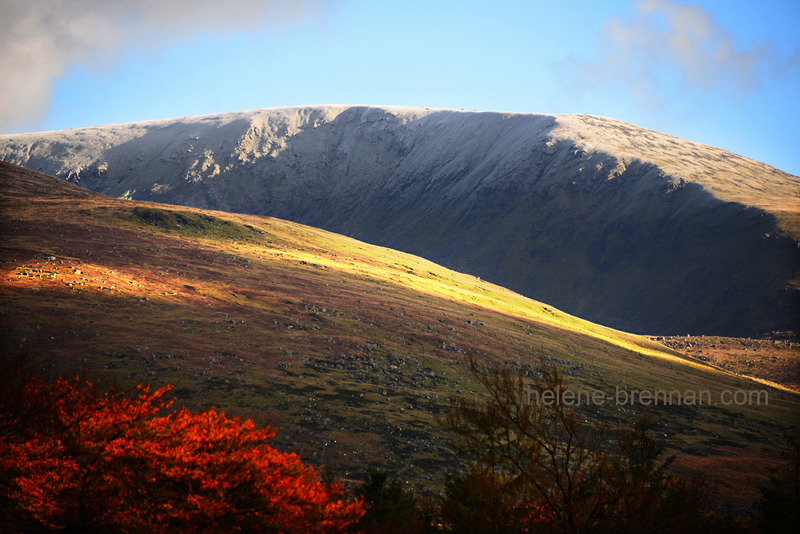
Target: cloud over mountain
{"x":669,"y":42}
{"x":41,"y":40}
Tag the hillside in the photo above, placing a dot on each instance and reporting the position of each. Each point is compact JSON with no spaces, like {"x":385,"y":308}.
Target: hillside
{"x":616,"y":224}
{"x":351,"y":349}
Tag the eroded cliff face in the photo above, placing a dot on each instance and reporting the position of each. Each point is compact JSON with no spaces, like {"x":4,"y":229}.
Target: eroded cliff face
{"x":620,"y":225}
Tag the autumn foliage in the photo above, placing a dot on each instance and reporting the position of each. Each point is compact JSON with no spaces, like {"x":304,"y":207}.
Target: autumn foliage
{"x":76,"y":458}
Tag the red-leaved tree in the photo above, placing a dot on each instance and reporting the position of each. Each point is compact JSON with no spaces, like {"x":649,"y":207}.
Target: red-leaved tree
{"x":75,"y":458}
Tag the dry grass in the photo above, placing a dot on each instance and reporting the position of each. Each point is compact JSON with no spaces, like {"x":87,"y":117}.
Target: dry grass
{"x":775,"y":361}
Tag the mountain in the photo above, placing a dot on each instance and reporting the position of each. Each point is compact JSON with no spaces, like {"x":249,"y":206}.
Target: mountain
{"x":352,"y":350}
{"x":616,"y":224}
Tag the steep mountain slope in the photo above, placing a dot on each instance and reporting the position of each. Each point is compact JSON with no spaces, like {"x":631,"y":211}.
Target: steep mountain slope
{"x":619,"y":225}
{"x":351,"y":349}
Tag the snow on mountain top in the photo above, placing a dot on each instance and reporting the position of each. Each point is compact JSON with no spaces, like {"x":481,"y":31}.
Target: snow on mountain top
{"x":255,"y":133}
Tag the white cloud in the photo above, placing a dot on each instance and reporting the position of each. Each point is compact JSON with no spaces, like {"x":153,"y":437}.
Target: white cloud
{"x":41,"y":39}
{"x":667,"y":42}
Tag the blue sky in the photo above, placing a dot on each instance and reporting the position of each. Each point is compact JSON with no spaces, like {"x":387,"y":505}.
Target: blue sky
{"x":724,"y":73}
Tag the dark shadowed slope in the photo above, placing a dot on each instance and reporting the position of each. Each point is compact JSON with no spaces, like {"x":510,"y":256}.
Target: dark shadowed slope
{"x":620,"y":225}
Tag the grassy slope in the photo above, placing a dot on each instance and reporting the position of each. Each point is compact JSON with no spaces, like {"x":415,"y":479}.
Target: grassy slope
{"x":350,"y":349}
